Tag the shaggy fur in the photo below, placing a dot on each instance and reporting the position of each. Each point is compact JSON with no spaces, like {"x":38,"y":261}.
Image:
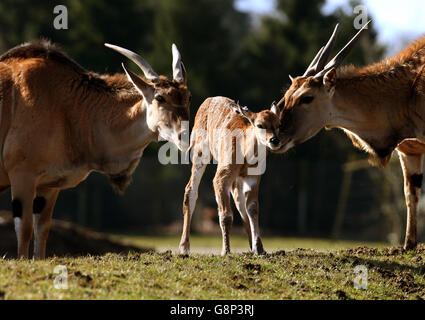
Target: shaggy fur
{"x":59,"y":122}
{"x":381,"y":108}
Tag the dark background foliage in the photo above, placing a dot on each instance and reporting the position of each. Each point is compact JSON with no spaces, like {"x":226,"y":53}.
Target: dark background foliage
{"x":228,"y":53}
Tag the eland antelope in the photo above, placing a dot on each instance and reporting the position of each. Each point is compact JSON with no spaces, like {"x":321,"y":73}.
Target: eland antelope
{"x":239,"y":141}
{"x":60,"y":122}
{"x":381,"y":107}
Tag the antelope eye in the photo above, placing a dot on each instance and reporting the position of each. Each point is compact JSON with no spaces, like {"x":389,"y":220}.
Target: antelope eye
{"x":306,"y":100}
{"x":160,"y":99}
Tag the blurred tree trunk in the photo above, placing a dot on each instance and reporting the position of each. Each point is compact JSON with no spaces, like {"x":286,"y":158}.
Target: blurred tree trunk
{"x":349,"y":168}
{"x":342,"y":204}
{"x":319,"y":188}
{"x":302,"y":197}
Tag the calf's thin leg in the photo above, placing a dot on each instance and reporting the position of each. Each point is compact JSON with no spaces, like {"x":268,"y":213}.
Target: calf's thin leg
{"x":223,"y":182}
{"x":413,"y":177}
{"x":189,"y":203}
{"x":43,"y":209}
{"x":23,"y":191}
{"x":240,"y":202}
{"x":251,"y":186}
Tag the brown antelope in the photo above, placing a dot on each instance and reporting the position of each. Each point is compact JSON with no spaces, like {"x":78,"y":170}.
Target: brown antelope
{"x":60,"y":122}
{"x":237,"y":139}
{"x":381,"y":107}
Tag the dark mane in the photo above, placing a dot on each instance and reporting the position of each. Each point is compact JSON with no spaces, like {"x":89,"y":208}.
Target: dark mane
{"x":49,"y":51}
{"x":399,"y":66}
{"x":42,"y":48}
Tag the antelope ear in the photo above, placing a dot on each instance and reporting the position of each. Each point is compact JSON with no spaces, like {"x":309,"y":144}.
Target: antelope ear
{"x":147,"y":90}
{"x":275,"y":109}
{"x":179,"y":71}
{"x":245,"y":113}
{"x":329,"y":81}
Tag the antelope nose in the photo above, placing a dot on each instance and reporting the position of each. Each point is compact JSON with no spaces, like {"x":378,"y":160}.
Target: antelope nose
{"x":184,"y":139}
{"x":275,"y":141}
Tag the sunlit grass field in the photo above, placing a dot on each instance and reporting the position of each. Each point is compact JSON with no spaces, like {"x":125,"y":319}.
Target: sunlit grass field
{"x":326,"y":270}
{"x":212,"y":243}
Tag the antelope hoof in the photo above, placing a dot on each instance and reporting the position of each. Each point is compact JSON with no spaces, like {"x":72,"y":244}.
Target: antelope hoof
{"x":225,"y":253}
{"x":38,"y":257}
{"x":259,"y":252}
{"x":259,"y":249}
{"x":410,"y":245}
{"x":184,"y":249}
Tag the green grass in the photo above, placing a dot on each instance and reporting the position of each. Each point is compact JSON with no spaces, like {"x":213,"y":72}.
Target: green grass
{"x":294,"y":274}
{"x":240,"y":243}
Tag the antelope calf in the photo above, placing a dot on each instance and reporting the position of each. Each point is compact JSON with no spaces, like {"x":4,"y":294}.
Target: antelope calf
{"x":381,"y":107}
{"x":239,"y":140}
{"x":60,"y":122}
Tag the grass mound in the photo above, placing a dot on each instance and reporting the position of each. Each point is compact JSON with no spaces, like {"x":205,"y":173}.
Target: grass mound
{"x":293,"y":274}
{"x":65,"y":239}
